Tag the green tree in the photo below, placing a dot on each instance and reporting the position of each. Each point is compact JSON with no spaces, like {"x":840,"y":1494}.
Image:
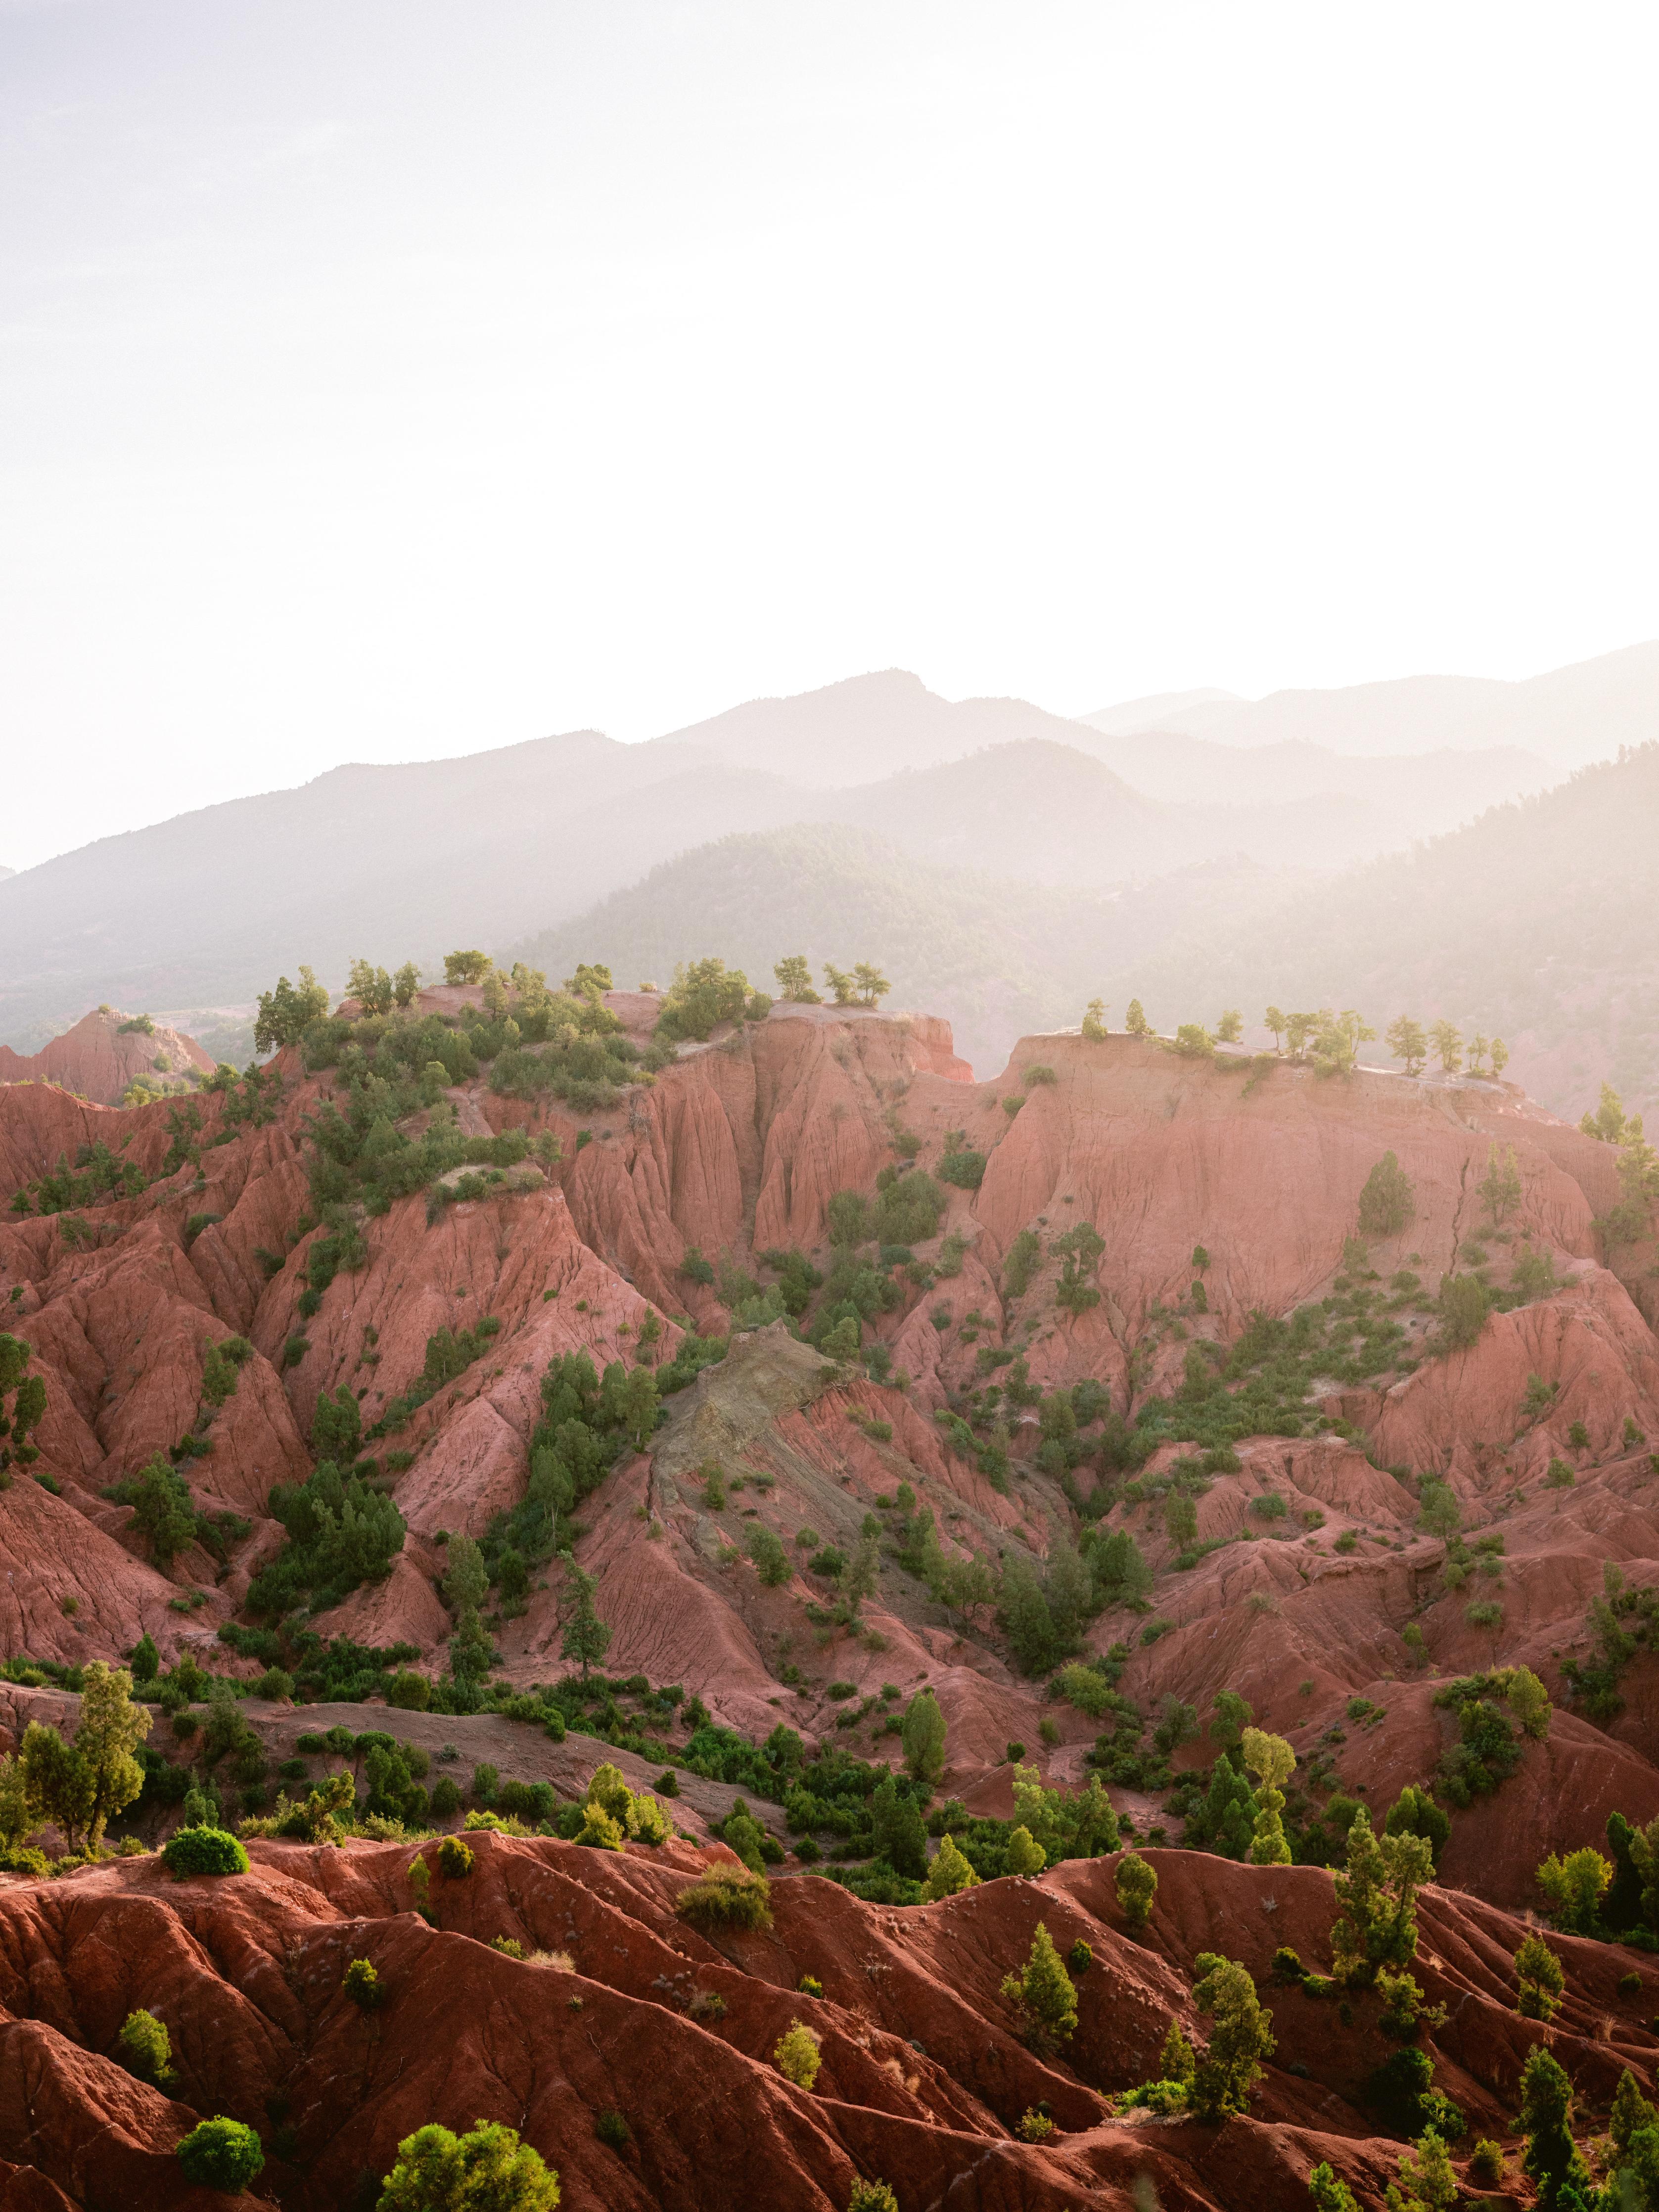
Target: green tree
{"x":1177,"y":2061}
{"x":771,"y":1560}
{"x":923,"y":1737}
{"x":870,"y":982}
{"x":406,"y":985}
{"x":592,"y":980}
{"x":1336,"y":1045}
{"x":336,"y":1427}
{"x":704,"y":994}
{"x":1406,"y":1040}
{"x":18,"y":1816}
{"x":1552,"y":2158}
{"x":1094,"y":1021}
{"x":486,"y":2170}
{"x":794,"y":981}
{"x":1376,"y":1901}
{"x":372,"y":988}
{"x":1298,"y":1028}
{"x":587,"y":1639}
{"x":22,"y":1405}
{"x":1136,"y":1886}
{"x":110,"y":1729}
{"x":1023,"y":1855}
{"x":1327,"y":2193}
{"x":1500,"y":1189}
{"x":1229,"y":2065}
{"x":638,"y":1409}
{"x":1079,"y":1251}
{"x":285,"y":1014}
{"x":1387,"y":1202}
{"x":466,"y":1580}
{"x":1631,"y":2112}
{"x":950,"y":1873}
{"x":1448,"y":1045}
{"x":1439,"y":1510}
{"x":57,"y":1783}
{"x":1273,"y":1022}
{"x":466,"y":966}
{"x":1500,"y":1057}
{"x":842,"y":987}
{"x":1180,"y":1519}
{"x":798,"y":2054}
{"x":1273,"y":1762}
{"x":1541,"y":1980}
{"x":1607,"y":1123}
{"x":896,"y":1830}
{"x":1414,"y":1812}
{"x":163,"y":1511}
{"x":1427,"y":2180}
{"x":1575,"y":1885}
{"x":1231,"y":1028}
{"x":1464,"y":1305}
{"x":860,"y":1576}
{"x":1041,"y":1994}
{"x":1135,"y":1021}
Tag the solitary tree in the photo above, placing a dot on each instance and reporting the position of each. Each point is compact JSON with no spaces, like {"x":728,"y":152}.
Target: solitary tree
{"x":1135,"y":1021}
{"x":587,"y":1639}
{"x":163,"y":1511}
{"x":1136,"y":1886}
{"x":1231,"y":1028}
{"x":1386,"y":1202}
{"x":1540,"y":1977}
{"x":1273,"y":1762}
{"x":1273,"y":1022}
{"x":1041,"y":1994}
{"x":842,"y":987}
{"x":1500,"y":1057}
{"x":1228,"y":2066}
{"x":468,"y":966}
{"x":923,"y":1737}
{"x":870,"y":982}
{"x":1500,"y":1187}
{"x":406,"y":984}
{"x":1094,"y":1021}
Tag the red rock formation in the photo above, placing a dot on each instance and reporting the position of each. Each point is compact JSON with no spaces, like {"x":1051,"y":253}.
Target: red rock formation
{"x":99,"y":1058}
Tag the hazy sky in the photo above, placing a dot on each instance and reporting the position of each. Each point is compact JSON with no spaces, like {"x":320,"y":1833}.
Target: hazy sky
{"x":381,"y":379}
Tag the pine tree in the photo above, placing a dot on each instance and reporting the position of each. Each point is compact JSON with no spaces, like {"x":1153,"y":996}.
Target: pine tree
{"x":795,"y":979}
{"x":1273,"y":1022}
{"x":1135,"y":1021}
{"x":1540,"y":1979}
{"x":1327,"y":2193}
{"x":1135,"y":1886}
{"x":1376,"y":1897}
{"x":1631,"y":2112}
{"x":950,"y":1873}
{"x":1229,"y":2065}
{"x":1042,"y":1995}
{"x":1500,"y":1187}
{"x":898,"y":1833}
{"x":1427,"y":2181}
{"x":1273,"y":1762}
{"x":1023,"y":1855}
{"x":1177,"y":2060}
{"x":1387,"y":1202}
{"x":1094,"y":1021}
{"x":1552,"y":2158}
{"x":923,"y":1735}
{"x":587,"y":1639}
{"x":1231,"y":1028}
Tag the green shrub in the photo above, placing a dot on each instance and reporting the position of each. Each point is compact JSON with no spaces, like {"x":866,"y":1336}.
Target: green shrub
{"x":1034,"y":2126}
{"x":798,"y":2054}
{"x":1080,"y":1957}
{"x":145,"y":2049}
{"x":439,"y":2171}
{"x":454,"y":1859}
{"x":612,"y":2129}
{"x":723,"y":1898}
{"x":203,"y":1850}
{"x":871,"y":2197}
{"x":362,"y":1986}
{"x":1486,"y":2163}
{"x":221,"y":2154}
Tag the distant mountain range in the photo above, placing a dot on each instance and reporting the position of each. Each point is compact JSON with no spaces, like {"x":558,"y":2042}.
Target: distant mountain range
{"x":1056,"y":853}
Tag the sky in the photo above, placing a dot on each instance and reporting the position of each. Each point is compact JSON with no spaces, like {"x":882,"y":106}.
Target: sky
{"x":383,"y":380}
